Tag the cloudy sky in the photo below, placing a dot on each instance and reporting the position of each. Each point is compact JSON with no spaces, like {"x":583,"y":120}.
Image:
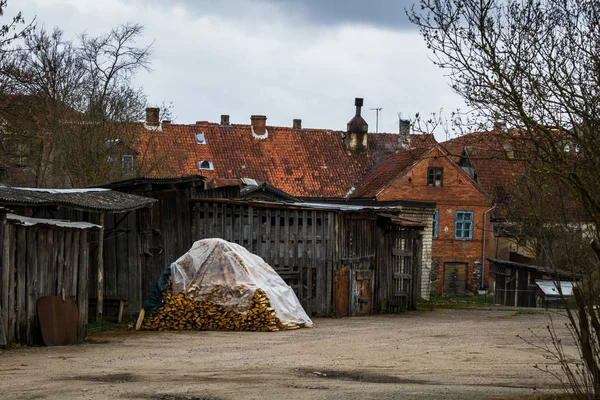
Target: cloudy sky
{"x":285,"y":59}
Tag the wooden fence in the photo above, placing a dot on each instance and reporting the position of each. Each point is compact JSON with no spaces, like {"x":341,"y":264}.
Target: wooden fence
{"x":40,"y":261}
{"x":301,"y":245}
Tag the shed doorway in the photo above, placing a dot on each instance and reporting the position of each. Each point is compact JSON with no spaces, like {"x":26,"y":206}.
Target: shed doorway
{"x":455,"y":279}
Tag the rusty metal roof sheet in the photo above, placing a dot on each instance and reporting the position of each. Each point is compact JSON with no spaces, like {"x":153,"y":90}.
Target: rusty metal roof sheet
{"x":99,"y":200}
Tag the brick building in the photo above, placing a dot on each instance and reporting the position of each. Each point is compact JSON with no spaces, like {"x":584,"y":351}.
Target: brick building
{"x":458,"y":223}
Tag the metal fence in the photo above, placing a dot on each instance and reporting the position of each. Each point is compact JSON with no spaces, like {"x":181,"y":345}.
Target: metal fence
{"x":528,"y":298}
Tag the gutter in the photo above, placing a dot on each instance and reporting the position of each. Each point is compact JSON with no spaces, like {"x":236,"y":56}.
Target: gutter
{"x":483,"y":247}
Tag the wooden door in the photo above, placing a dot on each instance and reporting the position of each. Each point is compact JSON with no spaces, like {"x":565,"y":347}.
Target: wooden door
{"x":342,"y":292}
{"x":361,"y":292}
{"x":402,"y":269}
{"x":455,"y":279}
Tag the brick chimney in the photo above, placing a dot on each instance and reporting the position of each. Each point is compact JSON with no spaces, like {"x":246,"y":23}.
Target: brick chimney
{"x":404,"y":134}
{"x":258,"y":125}
{"x":500,"y":126}
{"x":224,"y":120}
{"x":357,"y":129}
{"x":297,"y":124}
{"x":152,"y":116}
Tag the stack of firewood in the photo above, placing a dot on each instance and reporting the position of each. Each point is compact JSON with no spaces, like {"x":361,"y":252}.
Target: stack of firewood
{"x":216,"y":308}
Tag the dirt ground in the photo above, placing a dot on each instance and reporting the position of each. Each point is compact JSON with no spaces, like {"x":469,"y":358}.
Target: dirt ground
{"x":445,"y":354}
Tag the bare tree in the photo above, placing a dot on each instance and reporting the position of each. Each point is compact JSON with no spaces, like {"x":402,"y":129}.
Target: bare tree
{"x":535,"y":65}
{"x":15,"y":28}
{"x":79,"y":122}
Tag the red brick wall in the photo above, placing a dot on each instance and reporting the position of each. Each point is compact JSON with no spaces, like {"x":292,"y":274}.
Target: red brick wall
{"x":458,"y":193}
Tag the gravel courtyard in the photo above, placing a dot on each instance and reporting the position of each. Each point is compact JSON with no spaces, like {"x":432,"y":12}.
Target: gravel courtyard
{"x":445,"y":354}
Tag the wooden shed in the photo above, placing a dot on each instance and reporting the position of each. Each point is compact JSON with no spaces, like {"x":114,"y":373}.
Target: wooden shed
{"x":115,"y":254}
{"x":165,"y":230}
{"x":40,"y":257}
{"x":516,"y":283}
{"x":338,"y":258}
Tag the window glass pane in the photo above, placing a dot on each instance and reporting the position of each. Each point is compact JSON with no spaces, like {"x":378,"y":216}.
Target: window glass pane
{"x":463,"y":226}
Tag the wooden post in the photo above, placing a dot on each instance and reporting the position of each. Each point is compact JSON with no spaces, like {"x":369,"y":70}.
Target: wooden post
{"x":100,"y":280}
{"x":121,"y":308}
{"x":3,"y":341}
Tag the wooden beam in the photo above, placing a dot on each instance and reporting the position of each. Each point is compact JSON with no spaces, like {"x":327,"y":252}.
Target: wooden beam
{"x":100,"y":276}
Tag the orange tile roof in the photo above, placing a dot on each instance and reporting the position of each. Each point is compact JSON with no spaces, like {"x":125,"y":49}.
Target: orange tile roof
{"x":495,"y":170}
{"x":389,"y":168}
{"x":303,"y":163}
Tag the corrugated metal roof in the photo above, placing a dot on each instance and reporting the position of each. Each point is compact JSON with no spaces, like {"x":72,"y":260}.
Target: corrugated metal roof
{"x":550,"y":287}
{"x":307,"y":206}
{"x":100,"y":200}
{"x":543,"y":270}
{"x":26,"y":221}
{"x":153,"y":181}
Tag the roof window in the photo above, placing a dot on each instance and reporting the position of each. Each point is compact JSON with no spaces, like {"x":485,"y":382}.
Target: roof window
{"x":200,"y":139}
{"x":206,"y":165}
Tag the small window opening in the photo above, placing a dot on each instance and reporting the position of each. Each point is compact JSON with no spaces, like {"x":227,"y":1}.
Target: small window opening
{"x":127,"y":163}
{"x":204,"y":164}
{"x":200,"y":139}
{"x":434,"y":176}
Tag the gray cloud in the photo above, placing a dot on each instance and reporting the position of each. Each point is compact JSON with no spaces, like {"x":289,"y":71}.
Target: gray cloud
{"x":388,"y":13}
{"x":381,"y":13}
{"x":283,"y":59}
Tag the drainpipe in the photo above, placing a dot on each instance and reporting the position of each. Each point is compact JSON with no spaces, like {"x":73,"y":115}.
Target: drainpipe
{"x":483,"y":247}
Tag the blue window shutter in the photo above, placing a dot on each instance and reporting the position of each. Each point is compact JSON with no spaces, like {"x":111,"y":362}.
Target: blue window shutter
{"x":435,"y":225}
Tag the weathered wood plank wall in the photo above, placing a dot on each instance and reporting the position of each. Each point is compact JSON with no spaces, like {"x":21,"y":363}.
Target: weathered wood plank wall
{"x":398,"y":274}
{"x":40,"y":261}
{"x":299,"y":244}
{"x":122,"y":269}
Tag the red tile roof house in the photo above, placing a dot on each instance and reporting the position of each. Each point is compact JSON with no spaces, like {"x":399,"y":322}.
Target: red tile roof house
{"x":312,"y":164}
{"x":490,"y":159}
{"x":306,"y":163}
{"x":458,"y":227}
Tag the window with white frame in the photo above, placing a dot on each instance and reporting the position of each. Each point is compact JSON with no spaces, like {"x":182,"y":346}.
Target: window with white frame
{"x":463,"y":225}
{"x":206,"y":165}
{"x":200,"y":138}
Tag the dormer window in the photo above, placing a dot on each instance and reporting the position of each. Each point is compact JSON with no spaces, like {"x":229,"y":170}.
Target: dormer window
{"x":127,"y":164}
{"x":200,"y":139}
{"x":206,"y":165}
{"x":434,"y":176}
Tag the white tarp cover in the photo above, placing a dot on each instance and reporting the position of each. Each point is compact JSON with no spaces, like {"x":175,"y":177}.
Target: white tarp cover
{"x":217,"y":262}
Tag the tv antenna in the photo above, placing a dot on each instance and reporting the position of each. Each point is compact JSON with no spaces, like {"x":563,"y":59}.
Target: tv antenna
{"x":377,"y":110}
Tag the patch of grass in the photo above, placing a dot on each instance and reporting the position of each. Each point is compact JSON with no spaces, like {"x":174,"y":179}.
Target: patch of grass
{"x":529,"y":312}
{"x":106,"y":326}
{"x":457,"y":302}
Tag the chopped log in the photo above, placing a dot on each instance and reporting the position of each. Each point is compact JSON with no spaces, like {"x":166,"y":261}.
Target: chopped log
{"x":218,"y":307}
